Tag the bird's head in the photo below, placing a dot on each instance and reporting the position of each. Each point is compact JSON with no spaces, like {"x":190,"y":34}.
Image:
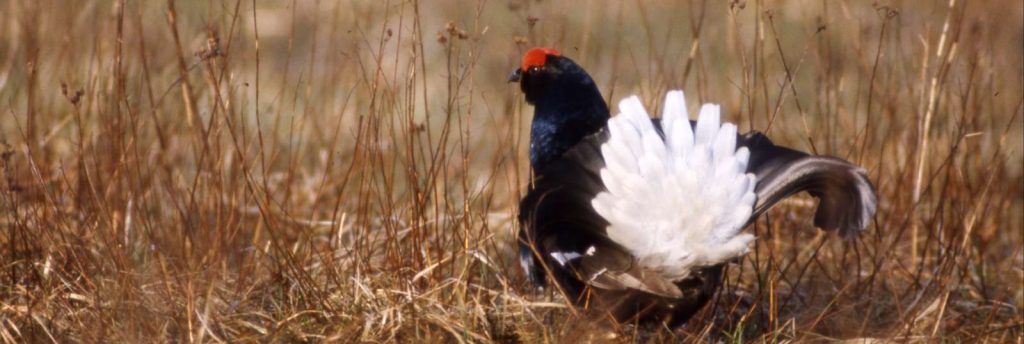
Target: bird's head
{"x":545,"y":72}
{"x":538,"y":69}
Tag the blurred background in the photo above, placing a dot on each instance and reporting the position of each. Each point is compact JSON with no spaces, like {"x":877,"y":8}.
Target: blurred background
{"x":317,"y":170}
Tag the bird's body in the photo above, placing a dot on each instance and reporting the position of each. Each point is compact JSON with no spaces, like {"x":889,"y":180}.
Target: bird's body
{"x":636,"y":217}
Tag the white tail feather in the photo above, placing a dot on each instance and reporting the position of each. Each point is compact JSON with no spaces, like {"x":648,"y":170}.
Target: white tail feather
{"x":678,"y":203}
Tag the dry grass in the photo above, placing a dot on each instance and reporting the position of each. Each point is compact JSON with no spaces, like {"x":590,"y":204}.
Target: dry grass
{"x":307,"y":171}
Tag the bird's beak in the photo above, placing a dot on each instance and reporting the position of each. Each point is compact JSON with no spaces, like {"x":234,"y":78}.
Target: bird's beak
{"x":516,"y":74}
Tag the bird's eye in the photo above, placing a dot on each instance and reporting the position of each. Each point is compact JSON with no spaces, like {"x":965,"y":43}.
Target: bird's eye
{"x":534,"y":69}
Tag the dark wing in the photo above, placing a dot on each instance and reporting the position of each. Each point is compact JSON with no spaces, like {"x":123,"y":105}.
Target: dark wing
{"x":847,"y":200}
{"x":561,"y":232}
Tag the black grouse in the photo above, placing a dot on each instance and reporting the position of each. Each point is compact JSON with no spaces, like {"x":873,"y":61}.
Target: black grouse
{"x":636,"y":216}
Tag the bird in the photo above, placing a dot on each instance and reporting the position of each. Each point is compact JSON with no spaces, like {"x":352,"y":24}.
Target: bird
{"x":636,"y":217}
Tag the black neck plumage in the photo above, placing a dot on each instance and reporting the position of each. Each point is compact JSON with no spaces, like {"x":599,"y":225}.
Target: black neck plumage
{"x":571,"y":109}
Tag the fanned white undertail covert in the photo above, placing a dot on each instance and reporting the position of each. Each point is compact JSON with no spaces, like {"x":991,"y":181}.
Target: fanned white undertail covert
{"x":680,"y":202}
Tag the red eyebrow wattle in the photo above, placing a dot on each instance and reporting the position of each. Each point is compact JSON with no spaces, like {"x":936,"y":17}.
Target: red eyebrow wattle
{"x":535,"y":57}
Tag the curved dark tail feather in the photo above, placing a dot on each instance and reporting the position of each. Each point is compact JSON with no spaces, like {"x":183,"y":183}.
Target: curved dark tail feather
{"x":847,"y":200}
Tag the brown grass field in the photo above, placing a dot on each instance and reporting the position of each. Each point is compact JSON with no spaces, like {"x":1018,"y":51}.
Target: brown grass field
{"x":293,"y":171}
